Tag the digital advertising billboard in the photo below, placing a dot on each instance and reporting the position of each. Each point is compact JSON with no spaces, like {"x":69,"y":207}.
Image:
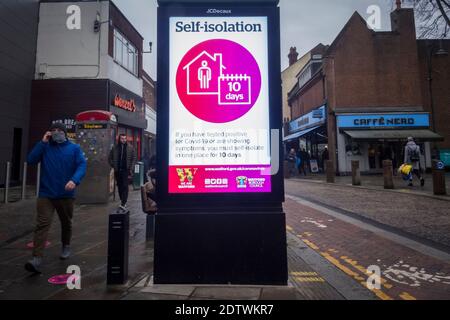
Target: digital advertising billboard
{"x":219,"y":122}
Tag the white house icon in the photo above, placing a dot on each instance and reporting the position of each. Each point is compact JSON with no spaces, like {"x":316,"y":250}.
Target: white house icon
{"x":194,"y":68}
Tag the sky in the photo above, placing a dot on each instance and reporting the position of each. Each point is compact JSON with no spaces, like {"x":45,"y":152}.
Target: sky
{"x":303,"y":23}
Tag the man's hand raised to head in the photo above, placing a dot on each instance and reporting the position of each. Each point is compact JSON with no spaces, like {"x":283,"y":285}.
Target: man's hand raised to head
{"x":46,"y":137}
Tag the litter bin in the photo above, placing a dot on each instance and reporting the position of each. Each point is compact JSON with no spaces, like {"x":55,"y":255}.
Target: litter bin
{"x":138,"y":175}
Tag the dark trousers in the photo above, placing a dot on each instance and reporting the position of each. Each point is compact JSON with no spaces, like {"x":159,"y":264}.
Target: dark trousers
{"x":122,"y":185}
{"x":45,"y":211}
{"x":418,"y":173}
{"x":302,"y":168}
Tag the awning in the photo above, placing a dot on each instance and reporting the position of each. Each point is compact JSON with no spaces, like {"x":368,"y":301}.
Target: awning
{"x":299,"y":134}
{"x":424,"y":135}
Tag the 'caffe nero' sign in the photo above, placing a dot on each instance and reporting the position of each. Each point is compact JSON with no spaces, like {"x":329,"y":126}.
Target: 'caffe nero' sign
{"x":392,"y":120}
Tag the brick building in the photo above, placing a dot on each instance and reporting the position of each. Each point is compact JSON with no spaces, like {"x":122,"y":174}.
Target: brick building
{"x":434,"y":60}
{"x":288,"y":78}
{"x":371,"y":85}
{"x":306,"y":100}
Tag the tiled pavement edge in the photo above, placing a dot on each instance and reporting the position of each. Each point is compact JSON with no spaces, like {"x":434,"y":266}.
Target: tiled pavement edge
{"x":422,"y":217}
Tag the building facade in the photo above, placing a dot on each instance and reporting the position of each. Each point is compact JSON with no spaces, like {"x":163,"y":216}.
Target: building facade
{"x":18,"y":34}
{"x":371,"y":85}
{"x":149,"y":140}
{"x":288,"y":79}
{"x":307,"y":103}
{"x":434,"y":63}
{"x":89,"y":57}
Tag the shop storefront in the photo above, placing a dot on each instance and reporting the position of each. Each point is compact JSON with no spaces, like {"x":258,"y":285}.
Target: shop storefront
{"x":309,"y":132}
{"x":372,"y":138}
{"x":62,"y":100}
{"x":129,"y":109}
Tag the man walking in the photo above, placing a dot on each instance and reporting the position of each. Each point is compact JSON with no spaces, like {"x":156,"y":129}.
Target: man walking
{"x":122,"y":159}
{"x":291,"y":160}
{"x":304,"y":156}
{"x":62,"y":168}
{"x":412,"y":157}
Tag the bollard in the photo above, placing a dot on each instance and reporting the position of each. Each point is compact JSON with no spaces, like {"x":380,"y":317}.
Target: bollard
{"x":356,"y":173}
{"x":38,"y":179}
{"x":150,"y":228}
{"x":439,"y":178}
{"x":387,"y":174}
{"x":24,"y":181}
{"x":7,"y":181}
{"x":286,"y":170}
{"x":330,"y":171}
{"x":118,"y":240}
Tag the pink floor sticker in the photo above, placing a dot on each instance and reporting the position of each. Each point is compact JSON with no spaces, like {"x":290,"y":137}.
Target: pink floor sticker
{"x":30,"y":245}
{"x":62,"y":279}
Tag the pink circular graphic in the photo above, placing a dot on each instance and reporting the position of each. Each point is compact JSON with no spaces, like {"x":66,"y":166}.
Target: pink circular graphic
{"x":218,"y":81}
{"x":62,"y":279}
{"x":30,"y":245}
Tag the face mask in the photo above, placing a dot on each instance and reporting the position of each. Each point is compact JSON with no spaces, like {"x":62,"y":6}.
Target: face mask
{"x":59,"y":137}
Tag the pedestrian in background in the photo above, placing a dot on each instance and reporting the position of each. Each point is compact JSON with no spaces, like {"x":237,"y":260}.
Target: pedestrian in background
{"x":291,"y":159}
{"x":304,"y":158}
{"x":325,"y":157}
{"x":412,"y":157}
{"x":63,"y":166}
{"x":122,"y":159}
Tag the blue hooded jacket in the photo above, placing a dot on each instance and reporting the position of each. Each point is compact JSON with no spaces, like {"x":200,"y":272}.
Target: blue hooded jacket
{"x":60,"y":163}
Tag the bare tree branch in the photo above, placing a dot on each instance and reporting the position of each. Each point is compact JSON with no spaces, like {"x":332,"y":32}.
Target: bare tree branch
{"x":432,"y":17}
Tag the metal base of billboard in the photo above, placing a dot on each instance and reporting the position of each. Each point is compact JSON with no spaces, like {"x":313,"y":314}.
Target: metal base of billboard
{"x":221,"y":248}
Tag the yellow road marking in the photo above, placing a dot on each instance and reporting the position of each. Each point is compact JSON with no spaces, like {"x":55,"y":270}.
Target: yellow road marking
{"x":309,"y":279}
{"x":380,"y":294}
{"x":406,"y":296}
{"x":310,"y":244}
{"x":360,"y":268}
{"x":303,"y":273}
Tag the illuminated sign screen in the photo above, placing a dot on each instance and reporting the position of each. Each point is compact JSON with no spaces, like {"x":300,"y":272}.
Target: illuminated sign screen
{"x":219,"y":137}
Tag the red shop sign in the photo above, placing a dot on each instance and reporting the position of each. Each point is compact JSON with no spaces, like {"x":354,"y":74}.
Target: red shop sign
{"x":122,"y":103}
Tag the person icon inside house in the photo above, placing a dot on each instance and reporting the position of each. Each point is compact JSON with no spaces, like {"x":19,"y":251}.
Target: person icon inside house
{"x":204,"y":75}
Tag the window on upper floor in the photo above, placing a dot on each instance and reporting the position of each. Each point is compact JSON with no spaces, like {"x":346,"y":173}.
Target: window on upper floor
{"x":125,"y":53}
{"x":309,"y":70}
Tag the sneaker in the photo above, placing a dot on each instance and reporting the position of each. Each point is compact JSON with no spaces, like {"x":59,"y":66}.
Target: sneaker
{"x":65,"y":253}
{"x":34,"y":265}
{"x":422,"y":182}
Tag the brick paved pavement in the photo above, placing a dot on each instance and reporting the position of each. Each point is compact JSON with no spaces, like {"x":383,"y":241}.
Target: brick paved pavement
{"x":421,"y":216}
{"x":89,"y":248}
{"x":406,"y":273}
